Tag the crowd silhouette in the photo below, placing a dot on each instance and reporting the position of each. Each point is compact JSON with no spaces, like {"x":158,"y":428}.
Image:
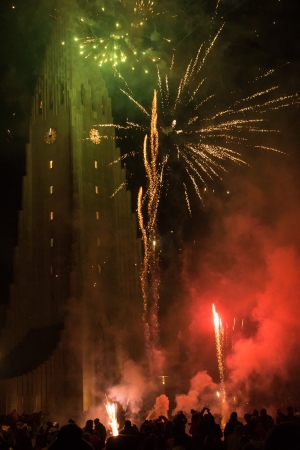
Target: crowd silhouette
{"x":255,"y":431}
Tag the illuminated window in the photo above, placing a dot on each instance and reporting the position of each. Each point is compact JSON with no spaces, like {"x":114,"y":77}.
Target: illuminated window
{"x":97,"y":215}
{"x":96,"y":164}
{"x":51,"y":215}
{"x":96,"y":189}
{"x":51,"y":242}
{"x":99,"y":268}
{"x":98,"y":241}
{"x":51,"y":164}
{"x":51,"y":189}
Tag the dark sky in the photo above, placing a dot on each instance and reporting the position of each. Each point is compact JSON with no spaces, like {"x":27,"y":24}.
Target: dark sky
{"x":258,"y":34}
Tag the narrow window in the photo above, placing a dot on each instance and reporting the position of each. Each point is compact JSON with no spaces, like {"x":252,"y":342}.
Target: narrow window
{"x":51,"y":98}
{"x":97,"y":215}
{"x":51,"y":270}
{"x":99,"y":268}
{"x":83,"y":95}
{"x":98,"y":241}
{"x":96,"y":164}
{"x":62,"y":94}
{"x":51,"y":189}
{"x":40,"y":104}
{"x":51,"y":215}
{"x":51,"y":242}
{"x":96,"y":189}
{"x":51,"y":164}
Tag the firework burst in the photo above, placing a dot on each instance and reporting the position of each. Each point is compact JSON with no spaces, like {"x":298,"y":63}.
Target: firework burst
{"x":127,"y":34}
{"x":196,"y":137}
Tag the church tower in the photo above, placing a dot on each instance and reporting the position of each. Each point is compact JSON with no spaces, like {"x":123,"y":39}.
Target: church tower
{"x":75,"y":310}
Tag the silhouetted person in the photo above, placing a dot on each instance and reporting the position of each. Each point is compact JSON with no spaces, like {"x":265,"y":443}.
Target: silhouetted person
{"x":231,"y":424}
{"x":266,"y":421}
{"x":100,"y":428}
{"x":89,"y":427}
{"x":129,"y":429}
{"x":70,"y":438}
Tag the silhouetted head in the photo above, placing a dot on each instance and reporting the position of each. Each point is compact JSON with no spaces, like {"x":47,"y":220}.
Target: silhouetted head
{"x":89,"y":423}
{"x":233,"y":416}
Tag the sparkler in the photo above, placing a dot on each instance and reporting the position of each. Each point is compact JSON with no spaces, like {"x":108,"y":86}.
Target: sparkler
{"x":111,"y":409}
{"x":121,"y":33}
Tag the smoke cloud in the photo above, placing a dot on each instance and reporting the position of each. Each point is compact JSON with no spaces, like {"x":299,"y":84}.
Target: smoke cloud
{"x":132,"y":390}
{"x":249,"y":267}
{"x":161,"y":408}
{"x":203,"y":392}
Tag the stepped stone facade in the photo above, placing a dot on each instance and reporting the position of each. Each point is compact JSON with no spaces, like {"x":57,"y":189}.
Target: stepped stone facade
{"x":75,"y":310}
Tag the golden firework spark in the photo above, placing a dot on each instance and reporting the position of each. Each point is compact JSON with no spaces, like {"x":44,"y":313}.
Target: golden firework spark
{"x":219,"y":338}
{"x":112,"y":409}
{"x":150,"y":270}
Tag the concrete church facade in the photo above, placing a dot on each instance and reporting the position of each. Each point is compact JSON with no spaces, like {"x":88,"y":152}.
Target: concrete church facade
{"x":75,"y":310}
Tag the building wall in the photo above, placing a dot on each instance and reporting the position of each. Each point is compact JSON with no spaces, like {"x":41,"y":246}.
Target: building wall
{"x":78,"y":256}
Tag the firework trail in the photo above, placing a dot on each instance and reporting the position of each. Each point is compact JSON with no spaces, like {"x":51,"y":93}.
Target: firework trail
{"x":219,"y":338}
{"x":111,"y":409}
{"x":150,"y":270}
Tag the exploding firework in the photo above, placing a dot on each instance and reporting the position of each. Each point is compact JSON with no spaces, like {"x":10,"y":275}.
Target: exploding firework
{"x":196,"y":137}
{"x":112,"y":409}
{"x":124,"y":34}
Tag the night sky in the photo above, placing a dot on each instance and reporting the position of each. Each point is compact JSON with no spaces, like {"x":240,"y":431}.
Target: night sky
{"x":258,"y":36}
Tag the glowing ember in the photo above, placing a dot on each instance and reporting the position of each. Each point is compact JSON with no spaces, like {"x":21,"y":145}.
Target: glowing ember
{"x":112,"y":409}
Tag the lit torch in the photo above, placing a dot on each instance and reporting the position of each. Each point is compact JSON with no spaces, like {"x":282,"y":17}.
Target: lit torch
{"x":111,"y":409}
